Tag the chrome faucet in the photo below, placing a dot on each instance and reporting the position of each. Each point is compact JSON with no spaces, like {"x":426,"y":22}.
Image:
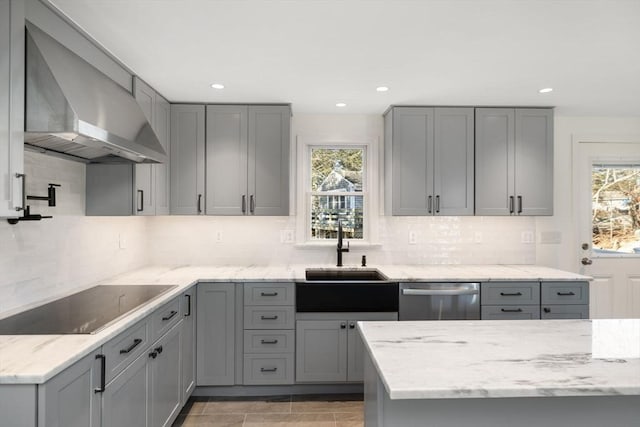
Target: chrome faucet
{"x":340,"y":248}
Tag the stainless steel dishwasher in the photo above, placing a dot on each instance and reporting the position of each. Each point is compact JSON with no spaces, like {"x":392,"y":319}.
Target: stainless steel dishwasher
{"x":439,"y":301}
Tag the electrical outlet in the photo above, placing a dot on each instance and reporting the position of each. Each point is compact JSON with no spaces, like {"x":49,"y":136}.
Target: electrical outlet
{"x":413,"y":237}
{"x":477,"y":237}
{"x":122,"y":242}
{"x":218,"y":236}
{"x":527,"y":237}
{"x":288,"y":236}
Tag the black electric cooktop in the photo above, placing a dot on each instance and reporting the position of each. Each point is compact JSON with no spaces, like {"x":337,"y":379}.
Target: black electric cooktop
{"x":82,"y":313}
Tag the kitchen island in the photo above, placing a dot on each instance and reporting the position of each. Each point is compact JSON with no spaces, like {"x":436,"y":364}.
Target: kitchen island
{"x":502,"y":373}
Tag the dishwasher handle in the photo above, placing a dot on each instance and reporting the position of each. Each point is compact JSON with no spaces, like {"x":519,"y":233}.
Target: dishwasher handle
{"x":439,"y":292}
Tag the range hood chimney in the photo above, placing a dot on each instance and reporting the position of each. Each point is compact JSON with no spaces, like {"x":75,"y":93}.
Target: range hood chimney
{"x":74,"y":109}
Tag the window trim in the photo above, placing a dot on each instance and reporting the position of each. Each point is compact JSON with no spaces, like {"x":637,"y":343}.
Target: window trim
{"x":370,"y":184}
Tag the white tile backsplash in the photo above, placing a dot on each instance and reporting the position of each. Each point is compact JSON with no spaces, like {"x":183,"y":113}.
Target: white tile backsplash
{"x":40,"y":260}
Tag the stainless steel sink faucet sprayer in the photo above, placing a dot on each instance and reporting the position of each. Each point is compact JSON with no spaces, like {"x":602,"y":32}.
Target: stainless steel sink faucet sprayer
{"x":340,"y":248}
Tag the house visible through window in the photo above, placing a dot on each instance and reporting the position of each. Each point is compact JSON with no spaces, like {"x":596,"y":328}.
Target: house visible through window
{"x":337,"y":192}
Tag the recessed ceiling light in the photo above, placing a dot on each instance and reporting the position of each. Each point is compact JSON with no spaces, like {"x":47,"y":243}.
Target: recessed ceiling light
{"x":382,"y":88}
{"x":217,"y":86}
{"x":341,"y":104}
{"x":546,"y":90}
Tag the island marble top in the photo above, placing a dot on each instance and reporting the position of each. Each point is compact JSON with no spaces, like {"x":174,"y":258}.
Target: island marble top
{"x":502,"y":358}
{"x":33,"y":359}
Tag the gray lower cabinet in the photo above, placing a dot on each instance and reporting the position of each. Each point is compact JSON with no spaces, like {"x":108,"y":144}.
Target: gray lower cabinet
{"x":165,"y":378}
{"x":565,"y":300}
{"x":429,"y":161}
{"x":247,"y":163}
{"x":331,"y":350}
{"x":215,"y":334}
{"x":514,"y":161}
{"x":126,"y":399}
{"x":189,"y":343}
{"x":68,"y":399}
{"x":12,"y":41}
{"x":269,"y":338}
{"x":187,"y":159}
{"x":509,"y":300}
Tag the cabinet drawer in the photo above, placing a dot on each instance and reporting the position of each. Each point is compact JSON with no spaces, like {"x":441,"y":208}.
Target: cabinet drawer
{"x":124,"y":348}
{"x":505,"y":293}
{"x":509,"y":312}
{"x":165,"y":317}
{"x":268,"y":369}
{"x":565,"y":293}
{"x":269,"y":293}
{"x":265,"y":317}
{"x":570,"y":311}
{"x":269,"y":341}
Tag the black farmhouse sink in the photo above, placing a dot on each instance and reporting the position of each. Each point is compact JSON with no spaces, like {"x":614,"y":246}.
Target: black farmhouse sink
{"x":338,"y":290}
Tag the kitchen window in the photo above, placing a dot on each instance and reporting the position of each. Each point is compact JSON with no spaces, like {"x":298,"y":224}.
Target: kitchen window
{"x":337,"y":187}
{"x":615,"y":209}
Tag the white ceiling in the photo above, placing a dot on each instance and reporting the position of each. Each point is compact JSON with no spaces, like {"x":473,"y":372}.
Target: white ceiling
{"x":314,"y":54}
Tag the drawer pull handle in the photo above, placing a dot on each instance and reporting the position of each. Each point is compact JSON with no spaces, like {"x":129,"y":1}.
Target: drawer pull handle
{"x":268,"y":369}
{"x":103,"y":373}
{"x":269,"y":317}
{"x":170,"y":316}
{"x":565,"y":294}
{"x":508,"y":310}
{"x":511,"y":294}
{"x":268,"y":341}
{"x":268,"y":294}
{"x":136,"y":343}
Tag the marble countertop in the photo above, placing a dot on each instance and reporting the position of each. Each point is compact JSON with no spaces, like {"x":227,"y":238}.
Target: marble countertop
{"x":494,"y":358}
{"x":33,"y":359}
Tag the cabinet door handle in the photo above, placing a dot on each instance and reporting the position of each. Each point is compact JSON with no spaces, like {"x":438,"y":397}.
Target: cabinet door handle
{"x":438,"y":204}
{"x":511,"y":294}
{"x":24,"y":191}
{"x":343,"y":325}
{"x":352,"y":325}
{"x":140,"y":206}
{"x":268,"y":317}
{"x":268,"y":294}
{"x":188,"y":313}
{"x":199,"y":203}
{"x":565,"y":294}
{"x":244,"y":203}
{"x":510,"y":204}
{"x":252,"y":204}
{"x":129,"y":349}
{"x":429,"y":199}
{"x":103,"y":373}
{"x":153,"y":354}
{"x":268,"y":369}
{"x":547,"y":310}
{"x":509,"y":310}
{"x":268,"y":341}
{"x":158,"y":349}
{"x":170,"y":316}
{"x":519,"y":204}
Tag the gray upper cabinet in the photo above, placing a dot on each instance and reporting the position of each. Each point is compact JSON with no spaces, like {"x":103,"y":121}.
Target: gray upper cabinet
{"x":152,"y":180}
{"x":514,"y":161}
{"x":69,"y":399}
{"x":247,"y":163}
{"x":11,"y":105}
{"x":187,"y":159}
{"x":429,"y":168}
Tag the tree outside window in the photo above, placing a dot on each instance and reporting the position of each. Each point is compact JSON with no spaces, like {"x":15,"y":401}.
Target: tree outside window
{"x":615,"y":212}
{"x":337,"y":192}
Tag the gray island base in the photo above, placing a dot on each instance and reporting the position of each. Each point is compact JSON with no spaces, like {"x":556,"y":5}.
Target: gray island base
{"x":545,"y":373}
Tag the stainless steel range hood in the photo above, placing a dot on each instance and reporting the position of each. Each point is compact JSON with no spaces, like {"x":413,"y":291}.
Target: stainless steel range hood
{"x":74,"y":109}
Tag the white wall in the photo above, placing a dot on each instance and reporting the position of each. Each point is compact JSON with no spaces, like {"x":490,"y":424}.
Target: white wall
{"x":566,"y":254}
{"x":43,"y":259}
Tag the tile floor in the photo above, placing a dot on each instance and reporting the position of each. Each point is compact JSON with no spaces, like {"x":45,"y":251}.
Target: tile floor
{"x":280,"y":411}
